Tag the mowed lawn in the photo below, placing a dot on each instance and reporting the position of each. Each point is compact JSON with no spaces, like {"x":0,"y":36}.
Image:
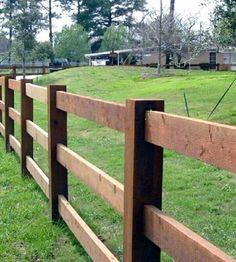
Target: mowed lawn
{"x":200,"y":196}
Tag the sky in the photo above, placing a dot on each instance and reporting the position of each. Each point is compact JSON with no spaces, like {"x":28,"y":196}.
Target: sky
{"x":183,"y":7}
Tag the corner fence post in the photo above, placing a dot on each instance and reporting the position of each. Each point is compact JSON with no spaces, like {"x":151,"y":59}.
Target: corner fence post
{"x":57,"y":133}
{"x":26,"y":114}
{"x":9,"y":102}
{"x":143,"y":181}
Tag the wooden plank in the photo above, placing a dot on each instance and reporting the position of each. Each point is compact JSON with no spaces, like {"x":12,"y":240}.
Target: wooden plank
{"x":2,"y":129}
{"x":105,"y":113}
{"x":2,"y":105}
{"x":14,"y":115}
{"x":143,"y":181}
{"x":37,"y":133}
{"x":15,"y":85}
{"x":26,"y":139}
{"x":178,"y":241}
{"x":38,"y":175}
{"x":90,"y":242}
{"x":105,"y":186}
{"x":209,"y":142}
{"x":57,"y":134}
{"x":2,"y":80}
{"x":9,"y":123}
{"x":15,"y":144}
{"x":38,"y":93}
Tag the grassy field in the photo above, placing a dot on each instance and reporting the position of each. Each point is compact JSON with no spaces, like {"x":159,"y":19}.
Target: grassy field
{"x":201,"y":196}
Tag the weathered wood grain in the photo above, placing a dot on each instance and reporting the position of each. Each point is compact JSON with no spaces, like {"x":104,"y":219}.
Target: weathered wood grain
{"x":102,"y":112}
{"x":178,"y":241}
{"x":209,"y":142}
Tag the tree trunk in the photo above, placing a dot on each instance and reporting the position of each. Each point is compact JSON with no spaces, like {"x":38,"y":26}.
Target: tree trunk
{"x":160,"y":39}
{"x":171,"y":25}
{"x":50,"y":22}
{"x":10,"y":33}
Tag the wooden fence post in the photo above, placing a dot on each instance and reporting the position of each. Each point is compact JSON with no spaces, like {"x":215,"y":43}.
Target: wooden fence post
{"x":9,"y":102}
{"x":26,"y":114}
{"x":1,"y":114}
{"x":57,"y":133}
{"x":143,"y":181}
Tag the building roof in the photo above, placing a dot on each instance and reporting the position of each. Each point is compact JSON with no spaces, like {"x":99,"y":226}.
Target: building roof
{"x":115,"y":51}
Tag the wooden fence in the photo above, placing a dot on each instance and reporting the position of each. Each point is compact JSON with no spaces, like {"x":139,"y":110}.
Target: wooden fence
{"x":147,"y":230}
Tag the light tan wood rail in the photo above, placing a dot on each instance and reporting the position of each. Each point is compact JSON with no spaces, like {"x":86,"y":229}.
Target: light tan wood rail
{"x":102,"y":184}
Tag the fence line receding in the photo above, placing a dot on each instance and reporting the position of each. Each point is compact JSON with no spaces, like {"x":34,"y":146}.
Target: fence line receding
{"x":148,"y":130}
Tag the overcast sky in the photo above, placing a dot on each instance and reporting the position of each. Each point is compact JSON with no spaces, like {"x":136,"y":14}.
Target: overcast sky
{"x":183,"y":7}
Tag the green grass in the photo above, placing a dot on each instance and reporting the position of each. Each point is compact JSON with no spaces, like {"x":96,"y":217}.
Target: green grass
{"x":201,"y":196}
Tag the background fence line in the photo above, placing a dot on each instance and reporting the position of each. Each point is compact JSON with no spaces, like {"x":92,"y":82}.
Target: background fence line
{"x":147,"y":230}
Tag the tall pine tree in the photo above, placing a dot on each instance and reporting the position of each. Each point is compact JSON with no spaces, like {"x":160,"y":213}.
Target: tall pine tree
{"x":96,"y":15}
{"x":225,"y":22}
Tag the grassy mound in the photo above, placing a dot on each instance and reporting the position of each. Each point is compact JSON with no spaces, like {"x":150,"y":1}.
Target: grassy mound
{"x":201,"y":196}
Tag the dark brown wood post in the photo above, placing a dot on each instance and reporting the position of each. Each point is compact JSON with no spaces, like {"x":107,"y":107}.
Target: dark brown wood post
{"x":9,"y":102}
{"x":1,"y":114}
{"x":26,"y":114}
{"x":143,"y":181}
{"x":57,"y":133}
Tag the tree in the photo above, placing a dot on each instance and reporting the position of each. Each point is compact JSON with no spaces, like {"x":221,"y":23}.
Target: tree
{"x":96,"y":15}
{"x":72,"y":43}
{"x":43,"y":51}
{"x":26,"y":22}
{"x":6,"y":13}
{"x":115,"y":37}
{"x":170,"y":30}
{"x":49,"y":6}
{"x":152,"y":36}
{"x":225,"y":23}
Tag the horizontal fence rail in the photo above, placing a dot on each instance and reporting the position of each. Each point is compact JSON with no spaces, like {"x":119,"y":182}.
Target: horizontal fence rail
{"x":37,"y":134}
{"x":37,"y":92}
{"x":178,"y":241}
{"x":210,"y":142}
{"x":14,"y":115}
{"x":105,"y":113}
{"x":91,"y":243}
{"x":2,"y":105}
{"x":2,"y":129}
{"x":105,"y":186}
{"x":38,"y":175}
{"x":14,"y":85}
{"x":15,"y":144}
{"x":147,"y":230}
